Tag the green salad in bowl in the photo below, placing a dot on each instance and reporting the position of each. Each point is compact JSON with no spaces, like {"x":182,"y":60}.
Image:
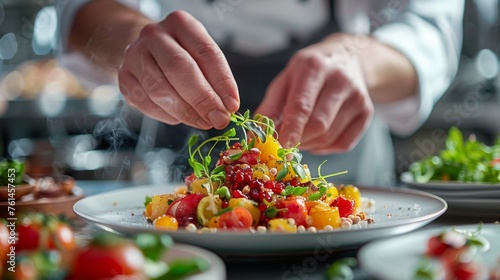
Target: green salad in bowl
{"x":462,"y":160}
{"x":12,"y":183}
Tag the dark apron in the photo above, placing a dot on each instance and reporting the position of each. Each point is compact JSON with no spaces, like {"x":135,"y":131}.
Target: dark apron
{"x":371,"y":162}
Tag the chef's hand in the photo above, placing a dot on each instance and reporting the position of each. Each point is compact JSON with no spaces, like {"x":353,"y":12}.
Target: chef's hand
{"x":174,"y":72}
{"x":320,"y":99}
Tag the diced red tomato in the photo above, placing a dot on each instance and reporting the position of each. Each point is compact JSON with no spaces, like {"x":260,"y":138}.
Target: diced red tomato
{"x":28,"y":237}
{"x":108,"y":260}
{"x":465,"y":271}
{"x":345,"y":206}
{"x":436,"y":246}
{"x":237,"y":218}
{"x":295,"y":208}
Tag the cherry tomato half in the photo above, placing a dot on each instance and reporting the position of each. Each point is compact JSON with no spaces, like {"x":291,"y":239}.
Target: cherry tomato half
{"x":107,"y":257}
{"x":237,"y":218}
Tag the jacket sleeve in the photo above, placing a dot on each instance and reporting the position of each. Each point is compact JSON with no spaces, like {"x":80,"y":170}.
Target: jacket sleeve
{"x":428,"y":33}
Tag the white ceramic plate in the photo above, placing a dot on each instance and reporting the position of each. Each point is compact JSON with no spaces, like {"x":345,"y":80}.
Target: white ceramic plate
{"x":398,"y":257}
{"x":217,"y":270}
{"x":397,"y":211}
{"x":407,"y":179}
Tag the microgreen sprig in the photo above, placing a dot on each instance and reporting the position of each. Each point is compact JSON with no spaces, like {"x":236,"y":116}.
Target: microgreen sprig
{"x":322,"y":178}
{"x":260,"y":125}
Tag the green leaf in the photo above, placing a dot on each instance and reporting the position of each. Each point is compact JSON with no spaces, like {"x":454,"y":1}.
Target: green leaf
{"x":147,"y":200}
{"x":219,"y":169}
{"x":282,"y":173}
{"x":233,"y":119}
{"x":230,"y":133}
{"x":192,"y":140}
{"x":298,"y":191}
{"x":251,"y":144}
{"x":319,"y":194}
{"x":207,"y":160}
{"x":153,"y":246}
{"x":271,"y":212}
{"x":257,"y":130}
{"x":455,"y":140}
{"x":6,"y":174}
{"x":314,"y":196}
{"x":198,"y":169}
{"x":182,"y":268}
{"x":341,"y":269}
{"x":281,"y":153}
{"x":299,"y":169}
{"x":246,"y":115}
{"x":236,"y":156}
{"x":223,"y":192}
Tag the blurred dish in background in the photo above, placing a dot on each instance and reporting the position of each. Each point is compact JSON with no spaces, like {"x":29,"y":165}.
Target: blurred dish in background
{"x":32,"y":78}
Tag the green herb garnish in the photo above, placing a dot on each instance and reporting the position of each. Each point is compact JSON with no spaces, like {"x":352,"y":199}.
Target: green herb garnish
{"x":461,"y":160}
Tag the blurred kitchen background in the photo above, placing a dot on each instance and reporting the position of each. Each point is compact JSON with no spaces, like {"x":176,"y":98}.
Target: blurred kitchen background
{"x":49,"y":119}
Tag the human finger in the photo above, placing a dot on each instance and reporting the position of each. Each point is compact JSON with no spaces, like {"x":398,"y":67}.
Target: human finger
{"x":332,"y":97}
{"x":136,"y":97}
{"x":272,"y":103}
{"x":308,"y":72}
{"x":348,"y":139}
{"x":194,"y":38}
{"x":161,"y":92}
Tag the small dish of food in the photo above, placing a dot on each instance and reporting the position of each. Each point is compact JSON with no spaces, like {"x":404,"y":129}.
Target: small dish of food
{"x":13,"y":184}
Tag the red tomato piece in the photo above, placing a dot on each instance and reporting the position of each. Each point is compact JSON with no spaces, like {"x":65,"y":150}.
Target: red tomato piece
{"x":345,"y":206}
{"x":28,"y":237}
{"x":466,"y":271}
{"x":436,"y":246}
{"x":105,"y":261}
{"x":237,"y":218}
{"x":295,"y":208}
{"x":61,"y":237}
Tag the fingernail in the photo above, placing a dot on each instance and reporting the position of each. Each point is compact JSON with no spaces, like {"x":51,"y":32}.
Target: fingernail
{"x":218,"y":118}
{"x":232,"y":104}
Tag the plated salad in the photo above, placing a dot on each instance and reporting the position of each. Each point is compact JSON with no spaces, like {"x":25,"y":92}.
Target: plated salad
{"x":462,"y":161}
{"x":257,"y":185}
{"x":454,"y":254}
{"x":42,"y":246}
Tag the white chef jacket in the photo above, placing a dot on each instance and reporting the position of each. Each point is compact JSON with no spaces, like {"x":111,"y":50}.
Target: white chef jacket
{"x":427,"y":32}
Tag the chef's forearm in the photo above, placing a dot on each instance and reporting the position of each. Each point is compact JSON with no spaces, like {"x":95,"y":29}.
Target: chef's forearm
{"x":389,"y":75}
{"x":103,"y":37}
